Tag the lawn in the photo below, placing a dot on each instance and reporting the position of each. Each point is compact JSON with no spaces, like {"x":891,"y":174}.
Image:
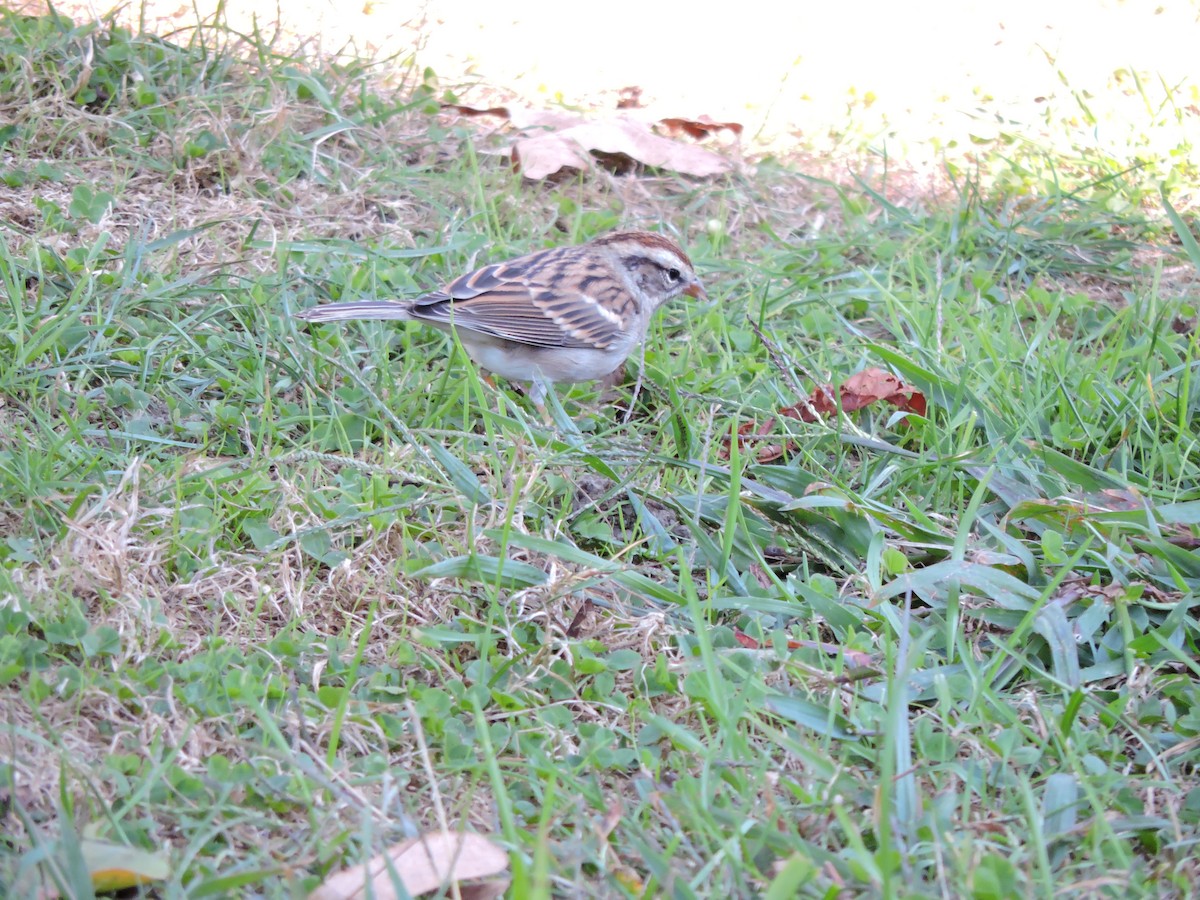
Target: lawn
{"x":274,"y":598}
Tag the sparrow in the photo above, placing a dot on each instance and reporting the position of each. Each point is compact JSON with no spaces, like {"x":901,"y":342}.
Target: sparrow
{"x":561,"y":315}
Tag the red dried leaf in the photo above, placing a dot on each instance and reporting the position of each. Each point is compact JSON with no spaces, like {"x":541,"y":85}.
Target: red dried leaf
{"x":749,"y":429}
{"x":870,"y":385}
{"x":772,"y":452}
{"x":745,"y":640}
{"x":699,"y":127}
{"x":501,"y":111}
{"x":629,"y":97}
{"x":859,"y":390}
{"x":820,"y":403}
{"x":749,"y":433}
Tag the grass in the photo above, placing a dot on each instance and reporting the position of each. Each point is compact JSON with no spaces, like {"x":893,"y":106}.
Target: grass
{"x":276,"y":598}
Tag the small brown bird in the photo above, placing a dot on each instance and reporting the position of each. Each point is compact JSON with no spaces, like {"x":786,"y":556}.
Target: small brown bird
{"x":561,"y":315}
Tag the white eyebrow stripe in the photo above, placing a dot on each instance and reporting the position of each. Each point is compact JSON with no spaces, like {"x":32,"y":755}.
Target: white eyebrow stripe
{"x":606,"y":313}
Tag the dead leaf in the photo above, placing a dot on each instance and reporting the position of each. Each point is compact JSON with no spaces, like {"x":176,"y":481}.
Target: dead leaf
{"x":629,"y":97}
{"x":423,"y":865}
{"x":630,"y":880}
{"x":1075,"y":587}
{"x":1180,"y":536}
{"x":761,"y":577}
{"x":749,"y":432}
{"x":621,"y":143}
{"x":115,"y":867}
{"x":524,"y":119}
{"x":700,"y":127}
{"x":540,"y":157}
{"x":521,"y":118}
{"x":859,"y":390}
{"x":577,"y":623}
{"x":473,"y":111}
{"x":553,"y":142}
{"x":745,"y":640}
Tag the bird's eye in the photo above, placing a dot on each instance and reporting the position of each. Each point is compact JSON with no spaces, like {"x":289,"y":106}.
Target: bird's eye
{"x":673,"y":275}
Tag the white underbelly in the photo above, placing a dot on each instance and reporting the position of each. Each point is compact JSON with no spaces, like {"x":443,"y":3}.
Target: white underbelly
{"x":550,"y":365}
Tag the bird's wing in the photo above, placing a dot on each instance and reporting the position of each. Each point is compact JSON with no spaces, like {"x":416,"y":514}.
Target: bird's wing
{"x":525,"y":301}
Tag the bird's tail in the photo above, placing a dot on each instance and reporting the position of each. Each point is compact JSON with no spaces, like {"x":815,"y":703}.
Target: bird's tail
{"x":357,"y":309}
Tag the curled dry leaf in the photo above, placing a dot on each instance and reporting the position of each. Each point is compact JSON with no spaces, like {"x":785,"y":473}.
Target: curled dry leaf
{"x":859,"y":390}
{"x":520,"y":117}
{"x":699,"y":127}
{"x":115,"y":867}
{"x":749,"y":432}
{"x":543,"y":119}
{"x":553,"y":141}
{"x":629,"y":97}
{"x":622,"y":142}
{"x":110,"y":867}
{"x":473,"y":111}
{"x":422,"y":865}
{"x":549,"y":154}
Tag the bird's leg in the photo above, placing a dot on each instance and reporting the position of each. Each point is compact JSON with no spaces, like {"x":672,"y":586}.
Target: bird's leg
{"x":538,"y":386}
{"x":537,"y":390}
{"x":637,"y":387}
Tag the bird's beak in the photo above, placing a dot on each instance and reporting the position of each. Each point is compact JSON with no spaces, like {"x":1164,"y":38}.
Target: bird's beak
{"x":696,"y":289}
